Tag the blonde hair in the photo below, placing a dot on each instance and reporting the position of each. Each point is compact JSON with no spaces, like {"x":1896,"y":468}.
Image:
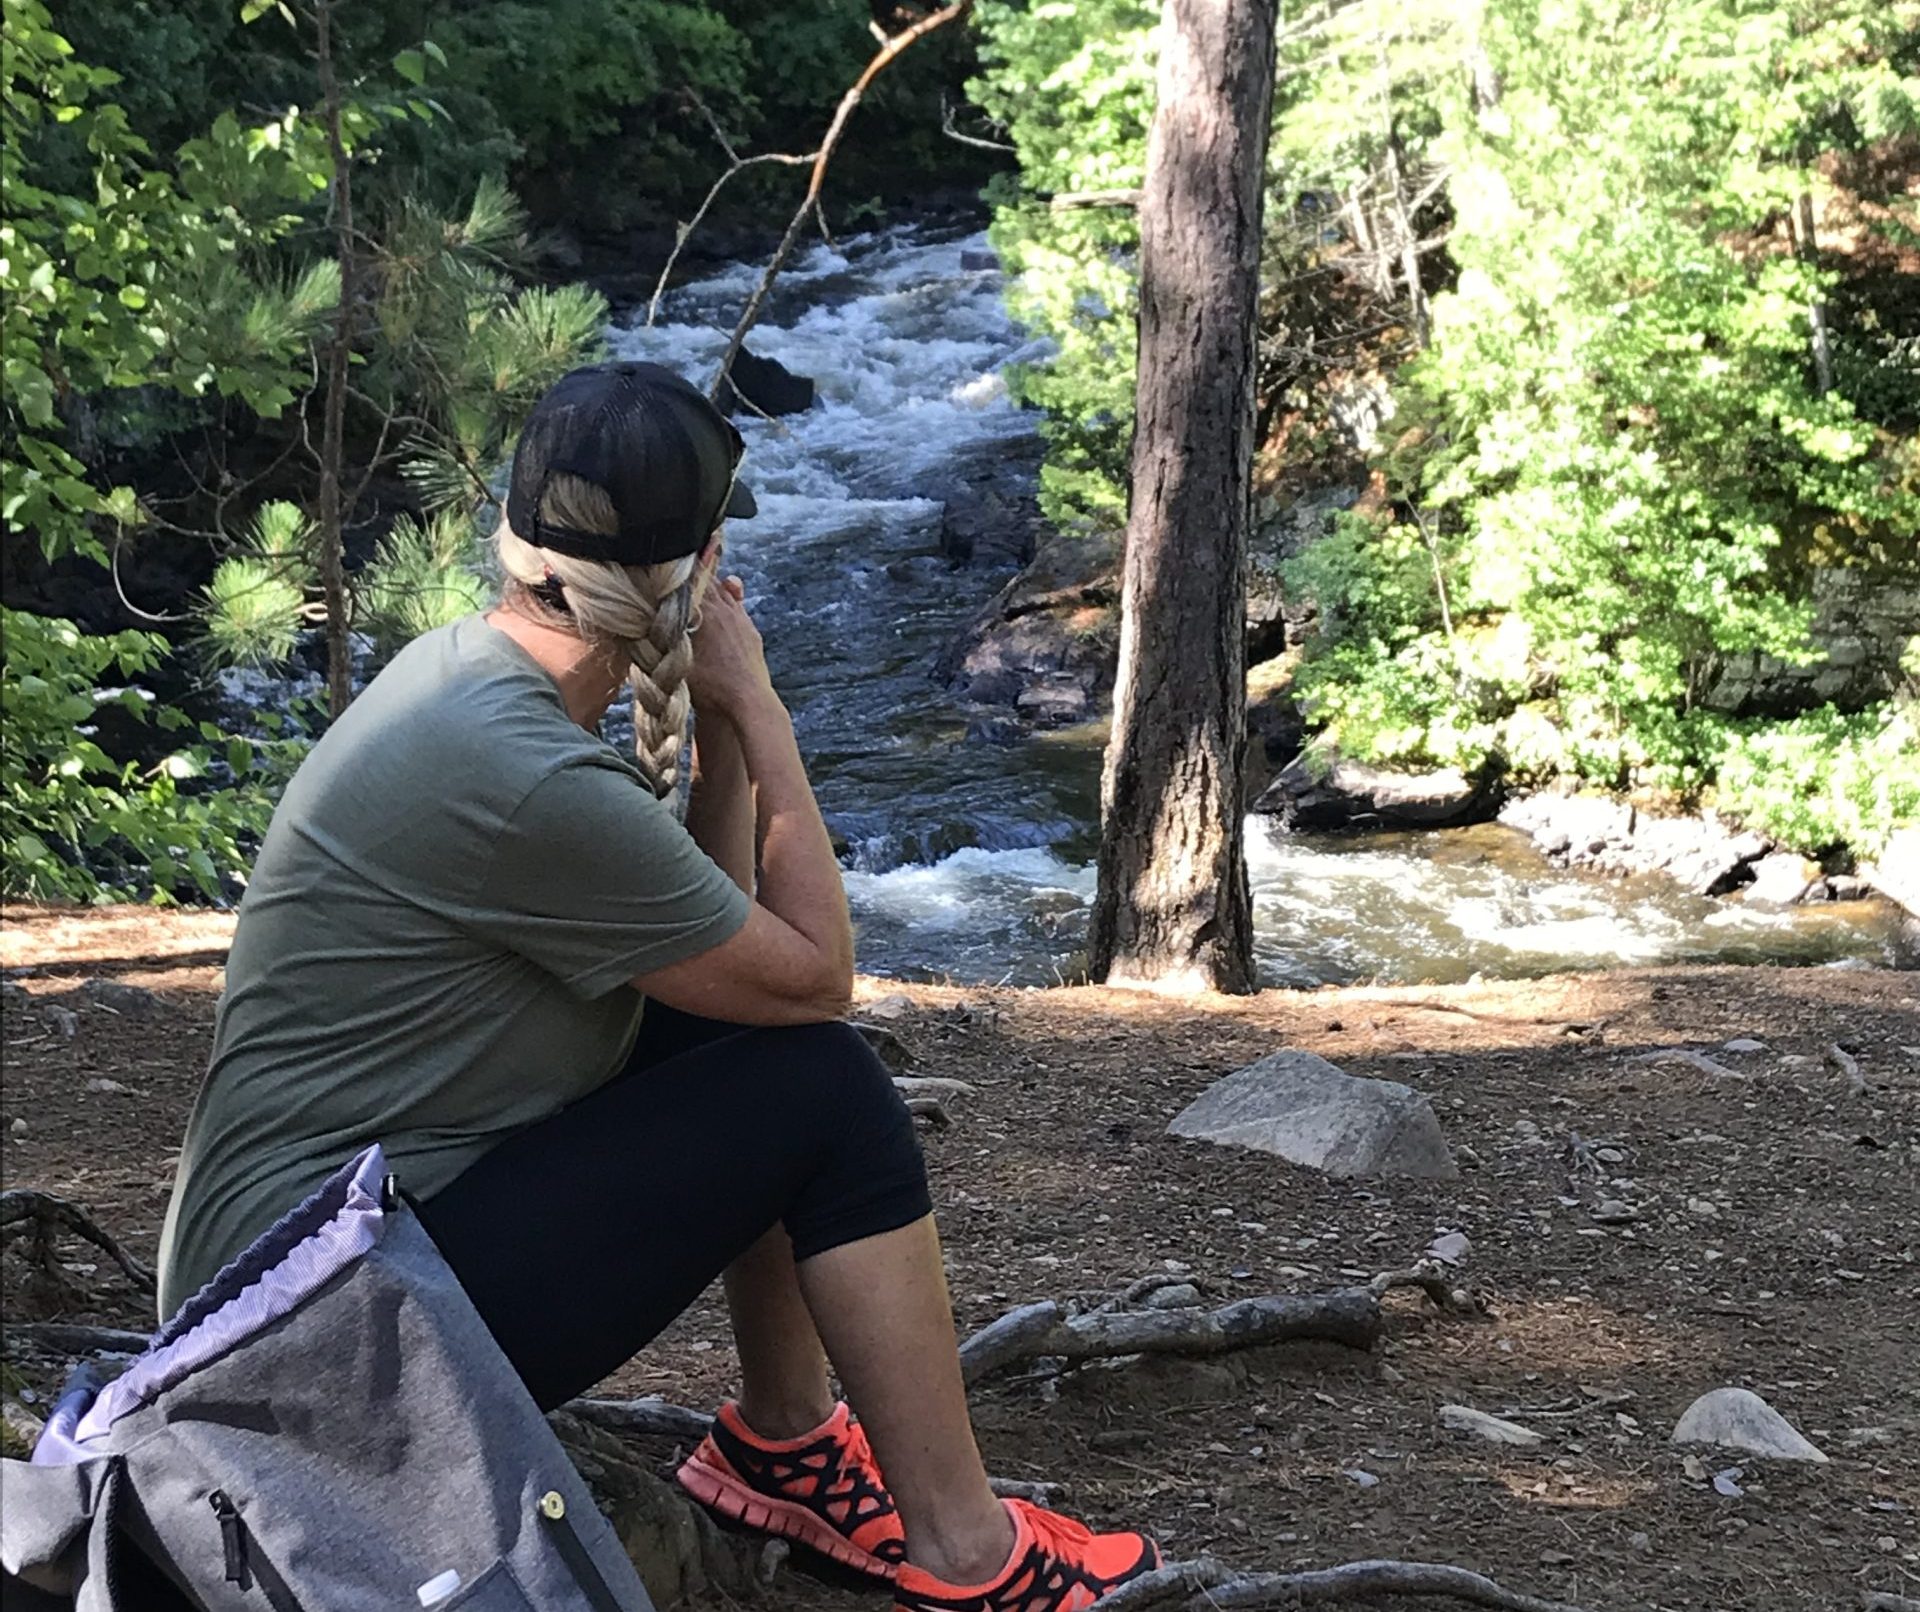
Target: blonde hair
{"x":644,"y":612}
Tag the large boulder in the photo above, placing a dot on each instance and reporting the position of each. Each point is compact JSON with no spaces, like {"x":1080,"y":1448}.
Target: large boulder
{"x":1305,"y":1110}
{"x":1702,"y":853}
{"x":764,"y":386}
{"x":1895,"y":872}
{"x":1311,"y":794}
{"x":1785,"y":880}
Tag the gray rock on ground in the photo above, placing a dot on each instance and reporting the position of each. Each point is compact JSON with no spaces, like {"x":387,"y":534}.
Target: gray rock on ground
{"x":1305,"y":1110}
{"x":1738,"y":1419}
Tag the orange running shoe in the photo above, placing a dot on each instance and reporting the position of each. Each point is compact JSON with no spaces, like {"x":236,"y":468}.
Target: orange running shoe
{"x":821,"y":1490}
{"x":1057,"y":1565}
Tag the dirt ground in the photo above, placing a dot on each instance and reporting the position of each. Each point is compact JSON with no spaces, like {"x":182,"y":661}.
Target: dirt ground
{"x":1776,"y":1247}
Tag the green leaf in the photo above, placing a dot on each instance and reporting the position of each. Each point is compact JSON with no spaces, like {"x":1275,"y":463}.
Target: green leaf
{"x":411,"y":65}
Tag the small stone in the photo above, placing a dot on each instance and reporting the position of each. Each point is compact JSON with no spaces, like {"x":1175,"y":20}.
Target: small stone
{"x":1612,"y":1212}
{"x":1464,"y":1419}
{"x":1727,"y":1482}
{"x":1745,"y":1043}
{"x":1452,"y":1248}
{"x":1366,"y":1480}
{"x":1609,"y":1155}
{"x":129,"y":1001}
{"x":1706,"y":1208}
{"x":1738,"y":1419}
{"x":1555,"y":1558}
{"x":1641,"y":1542}
{"x":65,"y":1020}
{"x":1177,"y":1296}
{"x":890,"y":1049}
{"x":887,"y":1007}
{"x":19,"y":1127}
{"x":102,"y":1087}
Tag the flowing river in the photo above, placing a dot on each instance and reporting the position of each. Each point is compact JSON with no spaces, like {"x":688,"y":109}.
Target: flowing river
{"x":972,"y":861}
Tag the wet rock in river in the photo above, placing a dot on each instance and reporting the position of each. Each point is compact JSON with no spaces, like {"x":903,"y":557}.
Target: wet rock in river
{"x":1311,"y":793}
{"x":764,"y":386}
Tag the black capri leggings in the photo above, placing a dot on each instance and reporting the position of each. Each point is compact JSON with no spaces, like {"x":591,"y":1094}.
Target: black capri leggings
{"x":583,"y":1236}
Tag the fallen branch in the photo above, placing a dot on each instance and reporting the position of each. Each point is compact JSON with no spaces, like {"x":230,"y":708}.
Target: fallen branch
{"x":1692,"y":1059}
{"x":1350,"y":1316}
{"x":930,"y":1109}
{"x":931,"y":1086}
{"x":1206,"y":1585}
{"x":810,"y":203}
{"x":1430,"y":1277}
{"x":71,"y":1338}
{"x":1882,"y":1601}
{"x":46,"y":1214}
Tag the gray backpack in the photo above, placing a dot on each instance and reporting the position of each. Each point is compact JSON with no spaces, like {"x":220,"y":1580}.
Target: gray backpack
{"x":327,"y":1426}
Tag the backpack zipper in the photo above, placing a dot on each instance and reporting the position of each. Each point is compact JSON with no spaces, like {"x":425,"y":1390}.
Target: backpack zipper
{"x":553,"y":1512}
{"x":233,"y":1538}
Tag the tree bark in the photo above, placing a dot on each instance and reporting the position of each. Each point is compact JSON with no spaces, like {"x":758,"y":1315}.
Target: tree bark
{"x":1808,"y":249}
{"x":1173,"y":908}
{"x":331,"y":516}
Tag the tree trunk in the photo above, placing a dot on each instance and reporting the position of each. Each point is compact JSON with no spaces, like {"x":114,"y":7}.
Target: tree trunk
{"x":331,"y":517}
{"x":1409,"y":243}
{"x":1808,"y":249}
{"x":1173,"y":908}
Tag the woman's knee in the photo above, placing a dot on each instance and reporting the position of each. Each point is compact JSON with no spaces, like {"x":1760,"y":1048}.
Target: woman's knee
{"x":838,"y":1069}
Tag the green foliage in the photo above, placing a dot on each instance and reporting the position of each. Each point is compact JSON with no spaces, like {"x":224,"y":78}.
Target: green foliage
{"x":1614,"y":464}
{"x":1826,"y":779}
{"x":80,"y":824}
{"x":1071,"y":82}
{"x":423,"y":577}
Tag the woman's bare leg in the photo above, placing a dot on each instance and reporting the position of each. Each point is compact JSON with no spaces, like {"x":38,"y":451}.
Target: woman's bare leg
{"x":882,"y":1307}
{"x":784,"y":1390}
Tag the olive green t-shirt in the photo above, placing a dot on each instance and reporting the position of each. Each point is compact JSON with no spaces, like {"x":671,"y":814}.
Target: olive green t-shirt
{"x":436,"y":945}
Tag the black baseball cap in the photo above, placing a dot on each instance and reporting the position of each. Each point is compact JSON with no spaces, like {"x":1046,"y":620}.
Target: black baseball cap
{"x":662,"y":453}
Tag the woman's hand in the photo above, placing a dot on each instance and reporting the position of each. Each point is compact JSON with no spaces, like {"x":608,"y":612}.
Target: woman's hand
{"x":729,"y":661}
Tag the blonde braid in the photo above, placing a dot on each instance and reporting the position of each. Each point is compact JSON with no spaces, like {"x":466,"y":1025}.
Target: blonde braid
{"x":645,"y":612}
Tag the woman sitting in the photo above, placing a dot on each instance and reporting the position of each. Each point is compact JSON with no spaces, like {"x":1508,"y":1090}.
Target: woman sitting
{"x":606,"y":1063}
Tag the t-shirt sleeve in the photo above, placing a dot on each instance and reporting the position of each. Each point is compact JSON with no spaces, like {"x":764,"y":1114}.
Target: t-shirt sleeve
{"x":596,"y":881}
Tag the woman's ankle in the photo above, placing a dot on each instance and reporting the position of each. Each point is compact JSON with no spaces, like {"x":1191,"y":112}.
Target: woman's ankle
{"x":971,"y":1550}
{"x":783,"y":1417}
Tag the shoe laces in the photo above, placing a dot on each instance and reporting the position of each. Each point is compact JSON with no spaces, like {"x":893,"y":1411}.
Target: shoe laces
{"x":1059,"y":1536}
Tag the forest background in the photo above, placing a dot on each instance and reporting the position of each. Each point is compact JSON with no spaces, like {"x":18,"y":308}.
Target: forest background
{"x":1590,"y":357}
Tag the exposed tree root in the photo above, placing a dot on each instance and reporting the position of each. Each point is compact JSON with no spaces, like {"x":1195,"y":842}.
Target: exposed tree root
{"x":72,"y":1338}
{"x":44,"y":1214}
{"x":1350,"y":1316}
{"x":1206,"y":1585}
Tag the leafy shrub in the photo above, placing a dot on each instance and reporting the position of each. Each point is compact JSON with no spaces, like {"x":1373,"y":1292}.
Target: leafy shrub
{"x":79,"y":824}
{"x":1826,"y":778}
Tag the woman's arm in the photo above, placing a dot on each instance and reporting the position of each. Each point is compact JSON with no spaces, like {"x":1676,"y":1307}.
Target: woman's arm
{"x":792,"y":962}
{"x":720,"y":810}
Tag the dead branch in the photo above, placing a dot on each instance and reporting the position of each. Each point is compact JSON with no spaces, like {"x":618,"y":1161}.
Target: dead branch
{"x":1430,"y":1277}
{"x":810,"y":203}
{"x":1350,"y":1316}
{"x":1076,"y":201}
{"x":1881,"y":1601}
{"x":685,"y":232}
{"x":1207,"y":1585}
{"x":931,"y":1086}
{"x":1692,"y":1059}
{"x":74,"y":1339}
{"x":930,"y":1109}
{"x":46,"y":1214}
{"x":953,"y":132}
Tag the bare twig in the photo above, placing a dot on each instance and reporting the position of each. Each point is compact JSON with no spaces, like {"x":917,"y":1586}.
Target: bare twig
{"x":1204,"y":1585}
{"x":685,"y":234}
{"x":1692,"y":1059}
{"x":45,"y":1214}
{"x":931,"y":1086}
{"x":810,"y":203}
{"x":954,"y":132}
